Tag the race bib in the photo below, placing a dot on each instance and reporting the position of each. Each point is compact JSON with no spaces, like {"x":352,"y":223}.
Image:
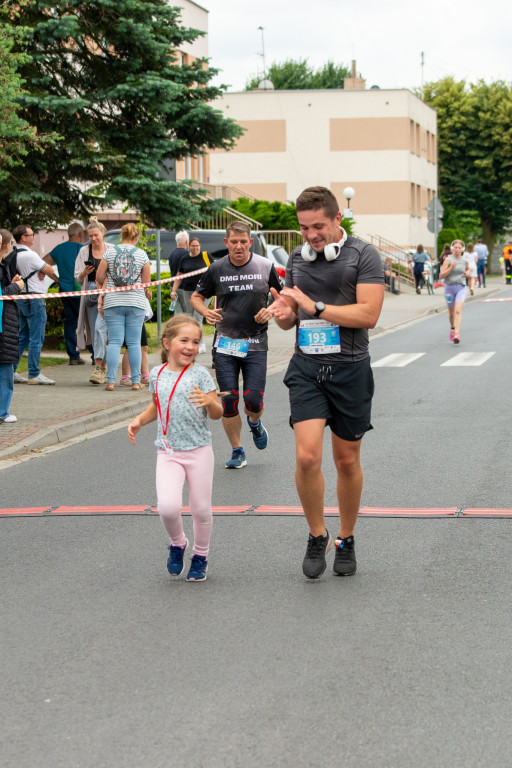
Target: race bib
{"x":318,"y":337}
{"x":235,"y":347}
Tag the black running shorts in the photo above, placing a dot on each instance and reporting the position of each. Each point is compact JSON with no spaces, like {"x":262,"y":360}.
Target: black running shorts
{"x":340,"y":393}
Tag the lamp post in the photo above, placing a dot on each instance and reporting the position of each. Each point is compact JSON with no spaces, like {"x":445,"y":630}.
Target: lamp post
{"x":348,"y":193}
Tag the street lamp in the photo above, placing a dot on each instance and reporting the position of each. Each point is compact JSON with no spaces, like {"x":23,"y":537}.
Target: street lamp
{"x":348,"y":193}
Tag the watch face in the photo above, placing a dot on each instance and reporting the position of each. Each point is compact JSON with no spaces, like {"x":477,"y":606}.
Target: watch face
{"x":319,"y":306}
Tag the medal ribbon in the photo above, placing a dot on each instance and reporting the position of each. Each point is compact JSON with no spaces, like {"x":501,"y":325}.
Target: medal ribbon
{"x":164,"y":431}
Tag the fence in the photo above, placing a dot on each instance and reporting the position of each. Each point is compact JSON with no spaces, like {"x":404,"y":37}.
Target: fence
{"x":285,"y":238}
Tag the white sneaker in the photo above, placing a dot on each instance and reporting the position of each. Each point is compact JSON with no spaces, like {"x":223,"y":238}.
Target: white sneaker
{"x":10,"y":419}
{"x":40,"y":379}
{"x":19,"y":379}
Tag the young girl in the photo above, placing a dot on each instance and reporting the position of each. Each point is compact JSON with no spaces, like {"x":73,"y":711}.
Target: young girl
{"x":454,"y":271}
{"x":183,"y":395}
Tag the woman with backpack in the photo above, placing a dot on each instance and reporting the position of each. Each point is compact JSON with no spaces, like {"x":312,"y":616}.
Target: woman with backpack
{"x":124,"y":265}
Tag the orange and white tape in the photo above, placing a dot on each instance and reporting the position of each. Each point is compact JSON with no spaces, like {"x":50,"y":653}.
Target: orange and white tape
{"x":62,"y":294}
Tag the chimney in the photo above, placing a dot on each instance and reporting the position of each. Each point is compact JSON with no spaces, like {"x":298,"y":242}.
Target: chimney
{"x":354,"y":83}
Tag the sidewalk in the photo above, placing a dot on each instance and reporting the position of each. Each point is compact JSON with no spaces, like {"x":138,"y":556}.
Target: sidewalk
{"x":52,"y":414}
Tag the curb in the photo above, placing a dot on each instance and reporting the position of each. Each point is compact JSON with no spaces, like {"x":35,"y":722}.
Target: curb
{"x":65,"y":430}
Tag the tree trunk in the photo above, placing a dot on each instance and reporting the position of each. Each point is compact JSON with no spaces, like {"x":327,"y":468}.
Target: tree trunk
{"x":488,"y":235}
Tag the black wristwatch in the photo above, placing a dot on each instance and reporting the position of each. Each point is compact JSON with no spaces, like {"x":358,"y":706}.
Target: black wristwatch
{"x":319,"y":308}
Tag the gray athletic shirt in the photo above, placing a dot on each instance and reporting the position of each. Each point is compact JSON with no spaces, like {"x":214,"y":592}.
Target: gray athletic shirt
{"x":335,"y":282}
{"x":456,"y":276}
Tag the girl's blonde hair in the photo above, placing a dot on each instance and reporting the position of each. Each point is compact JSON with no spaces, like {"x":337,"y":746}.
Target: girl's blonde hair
{"x":95,"y":224}
{"x":129,"y":231}
{"x":172,"y":328}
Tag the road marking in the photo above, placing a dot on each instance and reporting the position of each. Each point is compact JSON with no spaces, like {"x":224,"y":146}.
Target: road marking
{"x":397,"y":360}
{"x":469,"y":358}
{"x":507,"y":298}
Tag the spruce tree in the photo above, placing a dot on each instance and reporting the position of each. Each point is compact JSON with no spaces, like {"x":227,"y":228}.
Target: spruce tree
{"x":106,"y":78}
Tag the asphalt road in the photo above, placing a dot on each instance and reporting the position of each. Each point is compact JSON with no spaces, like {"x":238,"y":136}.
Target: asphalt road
{"x":105,"y":662}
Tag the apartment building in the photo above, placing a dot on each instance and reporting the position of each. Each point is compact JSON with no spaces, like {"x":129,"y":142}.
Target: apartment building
{"x":382,"y":143}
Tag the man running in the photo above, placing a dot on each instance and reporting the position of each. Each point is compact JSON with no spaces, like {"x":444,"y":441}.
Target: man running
{"x":241,"y":282}
{"x":333,"y":293}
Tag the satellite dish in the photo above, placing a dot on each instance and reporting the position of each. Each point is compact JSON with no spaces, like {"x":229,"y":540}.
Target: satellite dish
{"x":265,"y":85}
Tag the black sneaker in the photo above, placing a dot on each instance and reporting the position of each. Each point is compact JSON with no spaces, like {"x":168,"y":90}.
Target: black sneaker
{"x":314,"y":563}
{"x":345,"y":557}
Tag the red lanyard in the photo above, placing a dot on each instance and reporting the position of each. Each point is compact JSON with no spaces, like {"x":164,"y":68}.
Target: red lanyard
{"x":164,"y":431}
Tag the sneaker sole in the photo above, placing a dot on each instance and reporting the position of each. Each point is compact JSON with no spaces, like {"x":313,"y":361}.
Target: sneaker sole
{"x":327,"y":549}
{"x":198,"y":581}
{"x":177,"y":575}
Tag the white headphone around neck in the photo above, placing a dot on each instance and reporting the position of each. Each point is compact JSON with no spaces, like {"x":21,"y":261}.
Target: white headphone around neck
{"x":331,"y":251}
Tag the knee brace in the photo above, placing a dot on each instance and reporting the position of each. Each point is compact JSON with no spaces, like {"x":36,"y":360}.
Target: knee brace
{"x":253,"y":400}
{"x":230,"y":404}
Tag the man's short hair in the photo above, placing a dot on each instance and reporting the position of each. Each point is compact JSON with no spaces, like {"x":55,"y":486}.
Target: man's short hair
{"x":19,"y":231}
{"x":238,"y":228}
{"x":181,"y":238}
{"x":315,"y":198}
{"x":74,"y":229}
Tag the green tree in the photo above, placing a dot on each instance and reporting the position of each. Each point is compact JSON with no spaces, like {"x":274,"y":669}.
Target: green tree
{"x":16,"y":135}
{"x":475,"y":150}
{"x":458,"y":225}
{"x":105,"y":76}
{"x":275,"y":215}
{"x":298,"y":74}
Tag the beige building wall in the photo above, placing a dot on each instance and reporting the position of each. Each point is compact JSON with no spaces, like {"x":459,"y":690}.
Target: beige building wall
{"x":381,"y":143}
{"x":195,"y":16}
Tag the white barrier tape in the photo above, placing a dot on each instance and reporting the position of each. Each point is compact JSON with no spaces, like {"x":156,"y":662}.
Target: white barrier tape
{"x":18,"y":296}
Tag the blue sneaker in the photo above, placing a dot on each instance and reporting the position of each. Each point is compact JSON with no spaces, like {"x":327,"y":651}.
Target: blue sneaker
{"x":175,"y":564}
{"x":259,"y":434}
{"x":237,"y":460}
{"x":198,"y":568}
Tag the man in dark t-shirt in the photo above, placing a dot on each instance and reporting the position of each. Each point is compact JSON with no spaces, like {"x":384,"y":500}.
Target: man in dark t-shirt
{"x":333,"y":293}
{"x":240,"y":282}
{"x":174,"y":260}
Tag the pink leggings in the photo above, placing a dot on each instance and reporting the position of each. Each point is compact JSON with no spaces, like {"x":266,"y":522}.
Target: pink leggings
{"x":196,"y":467}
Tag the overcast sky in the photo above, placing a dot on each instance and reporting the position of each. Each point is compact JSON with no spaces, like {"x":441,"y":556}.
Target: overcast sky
{"x":464,"y":38}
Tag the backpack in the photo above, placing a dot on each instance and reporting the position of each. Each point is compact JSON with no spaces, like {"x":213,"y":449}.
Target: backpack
{"x":124,"y":270}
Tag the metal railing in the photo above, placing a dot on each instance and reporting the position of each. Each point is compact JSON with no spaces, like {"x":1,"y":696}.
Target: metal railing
{"x":286,"y":238}
{"x":400,"y":258}
{"x":223,"y":191}
{"x":225,"y":217}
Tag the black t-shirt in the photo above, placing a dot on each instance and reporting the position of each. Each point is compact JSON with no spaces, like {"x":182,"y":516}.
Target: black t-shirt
{"x":190,"y":264}
{"x":174,"y":259}
{"x":241,"y":292}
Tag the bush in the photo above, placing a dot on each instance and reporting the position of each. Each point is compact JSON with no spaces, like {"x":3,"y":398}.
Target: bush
{"x":166,"y":295}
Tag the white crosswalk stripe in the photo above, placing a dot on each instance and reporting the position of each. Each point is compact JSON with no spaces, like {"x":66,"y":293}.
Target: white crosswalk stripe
{"x":397,"y":360}
{"x":468,"y":358}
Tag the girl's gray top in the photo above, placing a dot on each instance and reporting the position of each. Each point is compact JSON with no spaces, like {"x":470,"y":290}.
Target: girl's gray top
{"x":456,"y":276}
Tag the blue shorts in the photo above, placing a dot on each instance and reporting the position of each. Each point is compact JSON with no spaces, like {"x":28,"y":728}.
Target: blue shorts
{"x":454,"y":294}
